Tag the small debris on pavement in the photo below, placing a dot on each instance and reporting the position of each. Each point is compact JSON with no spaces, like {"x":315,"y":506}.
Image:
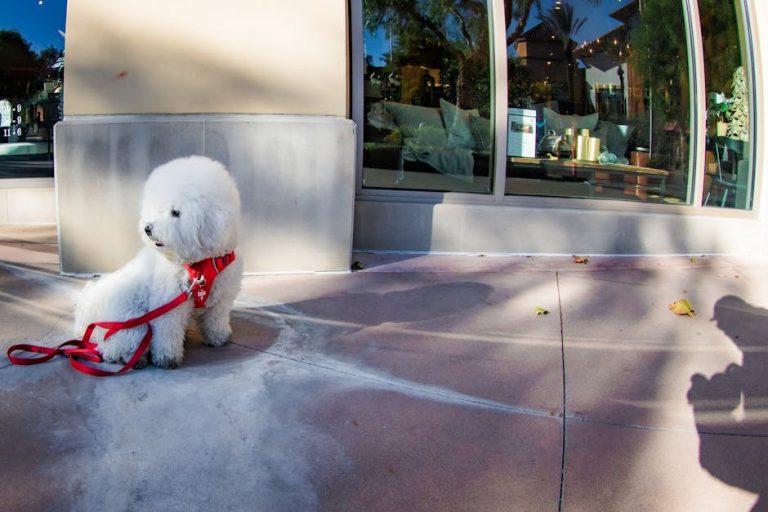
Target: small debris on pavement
{"x":682,"y":307}
{"x":580,"y":259}
{"x":541,"y":311}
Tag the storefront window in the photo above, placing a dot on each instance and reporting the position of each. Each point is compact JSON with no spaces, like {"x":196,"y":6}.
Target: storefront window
{"x":728,"y":181}
{"x":427,"y":95}
{"x":599,"y":101}
{"x":31,"y":85}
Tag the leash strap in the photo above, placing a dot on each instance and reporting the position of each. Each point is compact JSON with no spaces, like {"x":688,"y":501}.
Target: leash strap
{"x":85,"y":350}
{"x":201,"y":274}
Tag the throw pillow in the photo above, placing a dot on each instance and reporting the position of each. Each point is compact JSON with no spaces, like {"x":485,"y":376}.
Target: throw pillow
{"x":614,"y":137}
{"x":481,"y":129}
{"x":422,"y":123}
{"x":539,"y":107}
{"x":457,"y":124}
{"x":378,"y":117}
{"x":559,"y":122}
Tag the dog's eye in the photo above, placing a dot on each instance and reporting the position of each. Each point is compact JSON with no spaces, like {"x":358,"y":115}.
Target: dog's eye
{"x":175,"y":213}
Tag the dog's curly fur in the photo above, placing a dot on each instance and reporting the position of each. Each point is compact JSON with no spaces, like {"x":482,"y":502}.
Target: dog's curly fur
{"x":190,"y":211}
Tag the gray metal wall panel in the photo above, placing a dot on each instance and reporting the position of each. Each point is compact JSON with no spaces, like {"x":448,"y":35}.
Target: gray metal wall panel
{"x":295,"y":175}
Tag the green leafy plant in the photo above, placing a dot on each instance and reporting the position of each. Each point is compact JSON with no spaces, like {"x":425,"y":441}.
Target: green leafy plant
{"x":719,"y":107}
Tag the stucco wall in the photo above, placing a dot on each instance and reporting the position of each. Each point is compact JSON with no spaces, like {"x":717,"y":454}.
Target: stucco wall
{"x":147,"y":81}
{"x":199,"y":56}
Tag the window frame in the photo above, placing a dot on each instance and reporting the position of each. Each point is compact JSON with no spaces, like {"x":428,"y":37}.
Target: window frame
{"x":499,"y":78}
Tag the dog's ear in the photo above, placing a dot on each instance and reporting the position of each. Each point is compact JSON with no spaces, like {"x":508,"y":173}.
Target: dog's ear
{"x":215,"y":231}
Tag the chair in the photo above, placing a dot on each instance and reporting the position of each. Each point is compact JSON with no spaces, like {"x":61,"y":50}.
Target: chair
{"x":726,"y":151}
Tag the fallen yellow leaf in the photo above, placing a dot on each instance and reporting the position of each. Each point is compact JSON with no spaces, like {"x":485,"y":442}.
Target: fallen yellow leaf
{"x":580,"y":259}
{"x":682,"y":307}
{"x":541,"y":311}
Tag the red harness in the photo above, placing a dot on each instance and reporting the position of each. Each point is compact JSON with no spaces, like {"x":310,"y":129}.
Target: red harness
{"x":201,"y":276}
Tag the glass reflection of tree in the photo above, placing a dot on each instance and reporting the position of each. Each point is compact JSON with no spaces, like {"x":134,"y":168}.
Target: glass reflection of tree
{"x":32,"y":83}
{"x":560,"y":19}
{"x":659,"y":52}
{"x":449,"y":35}
{"x":720,"y":37}
{"x":19,"y":66}
{"x":516,"y":14}
{"x":723,"y":70}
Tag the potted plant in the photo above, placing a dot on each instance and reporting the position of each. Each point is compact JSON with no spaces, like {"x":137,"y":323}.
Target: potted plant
{"x":719,"y":113}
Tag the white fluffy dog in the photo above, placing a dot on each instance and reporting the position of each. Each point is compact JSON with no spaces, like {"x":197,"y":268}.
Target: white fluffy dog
{"x":190,"y":212}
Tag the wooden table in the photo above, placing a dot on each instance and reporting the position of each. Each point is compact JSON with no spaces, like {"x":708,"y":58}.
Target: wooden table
{"x":632,"y":179}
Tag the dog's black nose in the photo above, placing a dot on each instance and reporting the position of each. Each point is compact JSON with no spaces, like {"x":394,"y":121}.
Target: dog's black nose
{"x":148,"y":229}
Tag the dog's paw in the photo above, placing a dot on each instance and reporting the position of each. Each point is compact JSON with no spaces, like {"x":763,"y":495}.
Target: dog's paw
{"x":216,"y":331}
{"x":123,"y":359}
{"x":217,"y":342}
{"x":167,"y":363}
{"x":141,"y":363}
{"x":112,"y":356}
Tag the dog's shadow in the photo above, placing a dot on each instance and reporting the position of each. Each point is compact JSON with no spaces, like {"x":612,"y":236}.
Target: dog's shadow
{"x":255,"y":331}
{"x":730,"y":408}
{"x":251,"y":336}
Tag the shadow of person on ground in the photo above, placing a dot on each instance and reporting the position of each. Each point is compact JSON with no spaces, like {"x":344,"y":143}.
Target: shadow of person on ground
{"x":731,"y":407}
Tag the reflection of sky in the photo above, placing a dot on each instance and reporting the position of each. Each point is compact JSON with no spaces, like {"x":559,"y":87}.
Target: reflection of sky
{"x":377,"y":46}
{"x":598,"y":23}
{"x":38,"y":21}
{"x":598,"y":17}
{"x":596,"y":12}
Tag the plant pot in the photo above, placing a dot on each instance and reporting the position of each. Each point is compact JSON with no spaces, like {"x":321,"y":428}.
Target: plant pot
{"x":710,"y":163}
{"x":722,"y":128}
{"x":639,"y":157}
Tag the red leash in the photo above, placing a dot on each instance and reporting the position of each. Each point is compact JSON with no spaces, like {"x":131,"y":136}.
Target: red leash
{"x":202,"y":275}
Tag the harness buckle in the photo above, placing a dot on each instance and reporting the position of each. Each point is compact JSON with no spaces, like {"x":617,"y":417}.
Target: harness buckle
{"x":195,"y":284}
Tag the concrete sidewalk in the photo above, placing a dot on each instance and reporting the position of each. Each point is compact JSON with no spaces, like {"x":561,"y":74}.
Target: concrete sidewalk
{"x":419,"y":383}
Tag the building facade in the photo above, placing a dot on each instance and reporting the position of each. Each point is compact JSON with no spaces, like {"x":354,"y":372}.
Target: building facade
{"x":458,"y":126}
